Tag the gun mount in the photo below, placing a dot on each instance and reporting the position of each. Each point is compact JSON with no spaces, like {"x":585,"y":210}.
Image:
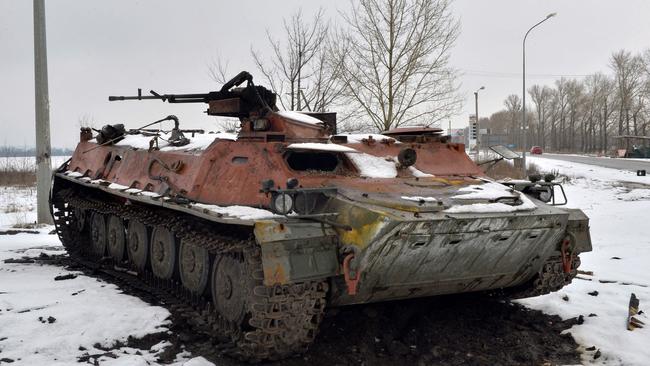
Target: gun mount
{"x":229,"y":101}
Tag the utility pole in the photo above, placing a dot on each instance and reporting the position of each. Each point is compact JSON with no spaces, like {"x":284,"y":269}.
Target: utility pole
{"x":42,"y":109}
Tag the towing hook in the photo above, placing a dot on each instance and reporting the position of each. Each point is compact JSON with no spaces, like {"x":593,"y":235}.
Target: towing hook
{"x":567,"y":252}
{"x":351,"y":276}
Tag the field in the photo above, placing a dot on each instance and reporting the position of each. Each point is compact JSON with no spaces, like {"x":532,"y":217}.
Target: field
{"x":21,"y":171}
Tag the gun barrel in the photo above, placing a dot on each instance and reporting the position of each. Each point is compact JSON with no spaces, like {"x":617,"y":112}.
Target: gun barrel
{"x":121,"y":97}
{"x":170,"y":98}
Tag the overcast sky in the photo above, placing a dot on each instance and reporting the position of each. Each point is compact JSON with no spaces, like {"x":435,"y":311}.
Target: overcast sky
{"x":101,"y":48}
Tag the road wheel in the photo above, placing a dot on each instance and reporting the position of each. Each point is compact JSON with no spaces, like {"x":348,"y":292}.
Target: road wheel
{"x":98,"y":234}
{"x":80,"y":218}
{"x":138,"y":244}
{"x":116,"y":238}
{"x":266,"y":322}
{"x":162,"y":252}
{"x":194,"y":267}
{"x":230,"y":288}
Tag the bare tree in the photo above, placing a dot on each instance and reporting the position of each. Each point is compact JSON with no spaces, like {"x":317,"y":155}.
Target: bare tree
{"x":513,"y":106}
{"x":395,"y":66}
{"x":541,"y":97}
{"x":627,"y":69}
{"x":584,"y":115}
{"x":219,"y":71}
{"x":575,"y":98}
{"x":299,"y":60}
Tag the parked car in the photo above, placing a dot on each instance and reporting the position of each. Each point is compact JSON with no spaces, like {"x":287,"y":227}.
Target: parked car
{"x":537,"y":150}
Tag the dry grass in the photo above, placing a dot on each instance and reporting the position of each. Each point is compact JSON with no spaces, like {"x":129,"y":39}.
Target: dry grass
{"x":12,"y":208}
{"x":17,"y":172}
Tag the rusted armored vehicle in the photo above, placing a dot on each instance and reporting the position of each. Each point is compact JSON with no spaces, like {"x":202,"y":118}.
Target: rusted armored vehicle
{"x":266,"y":228}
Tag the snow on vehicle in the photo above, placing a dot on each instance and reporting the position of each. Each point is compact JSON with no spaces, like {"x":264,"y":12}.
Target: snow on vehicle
{"x":266,"y":228}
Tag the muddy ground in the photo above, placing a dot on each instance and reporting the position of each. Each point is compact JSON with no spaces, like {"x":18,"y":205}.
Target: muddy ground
{"x":449,"y":330}
{"x":471,"y":329}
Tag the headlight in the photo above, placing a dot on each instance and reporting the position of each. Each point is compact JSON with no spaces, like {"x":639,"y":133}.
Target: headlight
{"x":282,"y":203}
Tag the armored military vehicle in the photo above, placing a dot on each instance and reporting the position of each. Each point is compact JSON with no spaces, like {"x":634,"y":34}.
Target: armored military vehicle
{"x":265,"y":229}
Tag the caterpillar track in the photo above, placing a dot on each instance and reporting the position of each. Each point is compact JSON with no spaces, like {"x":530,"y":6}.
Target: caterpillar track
{"x":256,"y":323}
{"x":551,"y":278}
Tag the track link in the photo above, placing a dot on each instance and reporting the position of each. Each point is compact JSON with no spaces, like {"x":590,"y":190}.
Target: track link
{"x":280,"y":321}
{"x":550,"y":278}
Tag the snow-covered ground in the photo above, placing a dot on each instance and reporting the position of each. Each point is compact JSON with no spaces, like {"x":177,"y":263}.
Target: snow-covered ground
{"x":88,"y":311}
{"x":49,"y":322}
{"x":617,"y":203}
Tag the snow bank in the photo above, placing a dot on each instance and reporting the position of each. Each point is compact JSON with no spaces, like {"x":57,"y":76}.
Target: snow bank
{"x":371,"y":166}
{"x":618,"y":227}
{"x":321,"y":147}
{"x":578,"y":170}
{"x":300,"y":117}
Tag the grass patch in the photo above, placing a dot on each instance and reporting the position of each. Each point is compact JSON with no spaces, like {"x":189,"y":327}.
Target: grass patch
{"x":17,"y":172}
{"x":12,"y":208}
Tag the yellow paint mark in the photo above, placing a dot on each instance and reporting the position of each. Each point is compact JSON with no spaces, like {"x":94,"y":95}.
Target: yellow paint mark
{"x":365,"y":226}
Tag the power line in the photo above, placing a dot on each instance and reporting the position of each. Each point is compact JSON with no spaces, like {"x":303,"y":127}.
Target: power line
{"x":517,"y":75}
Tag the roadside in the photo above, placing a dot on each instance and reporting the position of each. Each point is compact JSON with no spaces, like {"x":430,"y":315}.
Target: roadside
{"x":614,"y":163}
{"x":617,"y":203}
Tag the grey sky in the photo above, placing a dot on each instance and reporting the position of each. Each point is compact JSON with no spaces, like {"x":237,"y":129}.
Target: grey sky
{"x":101,"y":48}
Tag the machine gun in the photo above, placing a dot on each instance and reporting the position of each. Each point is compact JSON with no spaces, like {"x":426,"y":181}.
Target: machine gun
{"x":230,"y":101}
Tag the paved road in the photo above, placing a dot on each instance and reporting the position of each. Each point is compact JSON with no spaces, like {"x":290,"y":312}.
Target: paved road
{"x":623,"y":164}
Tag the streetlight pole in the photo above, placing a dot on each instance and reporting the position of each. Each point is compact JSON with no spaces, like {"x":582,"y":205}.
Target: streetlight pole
{"x":478,"y":125}
{"x":523,"y":104}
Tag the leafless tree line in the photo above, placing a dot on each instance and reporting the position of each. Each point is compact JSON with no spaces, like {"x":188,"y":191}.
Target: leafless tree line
{"x":385,"y":66}
{"x":584,"y":115}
